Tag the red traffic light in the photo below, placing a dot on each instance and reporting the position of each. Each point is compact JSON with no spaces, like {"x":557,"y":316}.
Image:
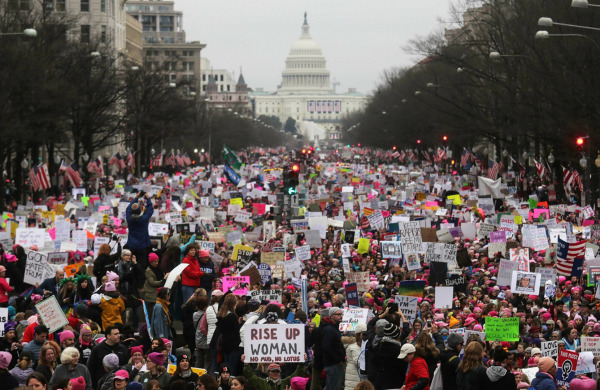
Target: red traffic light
{"x":580,"y":141}
{"x":418,"y":141}
{"x":295,"y":168}
{"x":303,"y":151}
{"x":445,"y":138}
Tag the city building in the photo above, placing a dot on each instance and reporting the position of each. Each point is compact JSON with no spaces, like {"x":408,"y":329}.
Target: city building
{"x":165,"y":41}
{"x":222,"y":91}
{"x":306,"y":95}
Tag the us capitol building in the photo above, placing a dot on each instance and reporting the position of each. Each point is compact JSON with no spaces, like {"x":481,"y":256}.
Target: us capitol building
{"x":305,"y":94}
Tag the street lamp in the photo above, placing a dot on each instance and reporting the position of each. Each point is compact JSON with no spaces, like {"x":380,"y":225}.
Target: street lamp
{"x":28,"y":32}
{"x":95,"y":54}
{"x":85,"y":157}
{"x":459,"y":70}
{"x":542,"y":34}
{"x":25,"y":163}
{"x":417,"y":93}
{"x":548,"y":22}
{"x":494,"y":55}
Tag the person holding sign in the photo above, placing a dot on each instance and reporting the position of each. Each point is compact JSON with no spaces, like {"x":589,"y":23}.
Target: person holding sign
{"x":138,"y":218}
{"x":5,"y":288}
{"x":273,"y":381}
{"x":545,"y":377}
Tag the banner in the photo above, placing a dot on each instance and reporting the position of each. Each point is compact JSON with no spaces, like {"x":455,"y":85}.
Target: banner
{"x":352,"y":294}
{"x":274,"y":343}
{"x":567,"y":366}
{"x":230,"y":282}
{"x":51,"y":314}
{"x":266,"y":295}
{"x":503,"y":329}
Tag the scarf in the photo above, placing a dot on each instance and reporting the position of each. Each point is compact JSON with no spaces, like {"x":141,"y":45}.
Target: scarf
{"x":158,"y":273}
{"x":276,"y":382}
{"x":165,"y":306}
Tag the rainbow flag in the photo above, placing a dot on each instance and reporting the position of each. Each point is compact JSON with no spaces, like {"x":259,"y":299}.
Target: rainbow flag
{"x":411,"y":288}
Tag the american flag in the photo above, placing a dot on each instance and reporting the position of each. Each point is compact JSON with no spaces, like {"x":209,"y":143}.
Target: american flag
{"x":40,"y":179}
{"x":411,"y":155}
{"x":426,"y":155}
{"x":200,"y":157}
{"x":72,"y":173}
{"x":207,"y":155}
{"x":493,"y":169}
{"x":130,"y":161}
{"x":117,"y":160}
{"x":570,"y":257}
{"x":157,"y":161}
{"x":572,"y":179}
{"x":186,"y":159}
{"x":396,"y":154}
{"x":170,"y":160}
{"x":402,"y":156}
{"x":541,"y":169}
{"x":464,"y":159}
{"x":96,"y":167}
{"x":179,"y":160}
{"x":520,"y":166}
{"x":441,"y":153}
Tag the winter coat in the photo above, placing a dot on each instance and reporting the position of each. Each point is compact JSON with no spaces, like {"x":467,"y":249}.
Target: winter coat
{"x":390,"y":372}
{"x":417,"y":374}
{"x":64,"y":371}
{"x":449,"y":361}
{"x":163,"y":379}
{"x":208,"y":274}
{"x":138,"y":237}
{"x":211,"y":320}
{"x":4,"y":290}
{"x":8,"y":381}
{"x":111,"y":310}
{"x":351,"y":378}
{"x":543,"y":381}
{"x":257,"y":383}
{"x":499,"y":378}
{"x":160,"y":324}
{"x":331,"y":344}
{"x":105,"y":263}
{"x":94,"y":363}
{"x":151,"y":285}
{"x":192,"y":274}
{"x":129,"y":276}
{"x":21,"y":375}
{"x":229,"y":327}
{"x":472,"y":380}
{"x":200,"y":338}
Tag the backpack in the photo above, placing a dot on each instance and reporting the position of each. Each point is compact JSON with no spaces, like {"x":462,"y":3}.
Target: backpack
{"x":436,"y":381}
{"x":204,"y":324}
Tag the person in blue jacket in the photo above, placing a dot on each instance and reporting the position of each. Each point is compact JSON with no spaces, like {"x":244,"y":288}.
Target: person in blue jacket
{"x":138,"y":218}
{"x":545,"y":377}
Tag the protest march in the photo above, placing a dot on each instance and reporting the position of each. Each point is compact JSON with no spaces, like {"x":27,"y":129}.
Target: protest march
{"x":279,"y":269}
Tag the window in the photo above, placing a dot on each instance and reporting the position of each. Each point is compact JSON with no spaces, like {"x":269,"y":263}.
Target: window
{"x":85,"y":7}
{"x":85,"y":33}
{"x":221,"y":77}
{"x":103,"y":34}
{"x":187,"y":66}
{"x":204,"y":77}
{"x":102,"y":5}
{"x":204,"y":87}
{"x":221,"y":88}
{"x":228,"y":88}
{"x":131,"y":7}
{"x":61,"y":5}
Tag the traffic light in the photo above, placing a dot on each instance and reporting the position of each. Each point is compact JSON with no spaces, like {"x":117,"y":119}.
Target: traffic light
{"x":290,"y":179}
{"x":418,"y":141}
{"x":445,"y":139}
{"x":580,"y":142}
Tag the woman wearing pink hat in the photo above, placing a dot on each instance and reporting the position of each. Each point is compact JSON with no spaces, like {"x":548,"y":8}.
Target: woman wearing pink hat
{"x":5,"y":288}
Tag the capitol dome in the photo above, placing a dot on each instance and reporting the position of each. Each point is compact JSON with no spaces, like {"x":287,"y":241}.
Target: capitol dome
{"x":305,"y":67}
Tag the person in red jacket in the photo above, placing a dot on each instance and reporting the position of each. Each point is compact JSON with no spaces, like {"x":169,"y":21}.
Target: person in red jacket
{"x":190,"y":277}
{"x":417,"y":377}
{"x":4,"y":287}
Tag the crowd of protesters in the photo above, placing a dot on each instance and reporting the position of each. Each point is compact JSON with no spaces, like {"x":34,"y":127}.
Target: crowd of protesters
{"x":127,"y":330}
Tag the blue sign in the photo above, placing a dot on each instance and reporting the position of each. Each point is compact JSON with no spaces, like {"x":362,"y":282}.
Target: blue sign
{"x":265,"y":273}
{"x":231,"y":175}
{"x":352,"y":294}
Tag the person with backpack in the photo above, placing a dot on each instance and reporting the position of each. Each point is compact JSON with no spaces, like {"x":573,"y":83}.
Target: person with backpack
{"x":499,"y":377}
{"x":545,"y":378}
{"x":203,"y":359}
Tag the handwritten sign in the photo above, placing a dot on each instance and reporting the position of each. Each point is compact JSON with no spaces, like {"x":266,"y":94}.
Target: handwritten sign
{"x":550,"y":349}
{"x":58,"y":258}
{"x":37,"y":268}
{"x":267,"y":295}
{"x":303,"y":252}
{"x":410,"y":237}
{"x":408,"y":305}
{"x":28,"y":237}
{"x":277,"y":343}
{"x":352,"y":317}
{"x":361,"y":279}
{"x":230,"y":282}
{"x":503,"y":329}
{"x":3,"y":319}
{"x":51,"y":314}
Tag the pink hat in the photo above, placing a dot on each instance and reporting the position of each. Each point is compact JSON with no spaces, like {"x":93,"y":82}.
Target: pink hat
{"x":122,"y":375}
{"x":156,"y":358}
{"x":110,"y":286}
{"x":469,"y":321}
{"x":152,"y":257}
{"x":478,"y":328}
{"x":546,"y":316}
{"x":111,"y":276}
{"x":78,"y":383}
{"x":217,"y":293}
{"x":204,"y":253}
{"x":298,"y":383}
{"x":583,"y":383}
{"x":545,"y":363}
{"x":65,"y":335}
{"x":441,"y":324}
{"x":5,"y":358}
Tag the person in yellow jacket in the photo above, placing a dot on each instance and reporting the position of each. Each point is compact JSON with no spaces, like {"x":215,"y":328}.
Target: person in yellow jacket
{"x":111,"y":303}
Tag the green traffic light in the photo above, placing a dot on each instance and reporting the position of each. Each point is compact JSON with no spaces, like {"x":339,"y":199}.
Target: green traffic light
{"x":292,"y":190}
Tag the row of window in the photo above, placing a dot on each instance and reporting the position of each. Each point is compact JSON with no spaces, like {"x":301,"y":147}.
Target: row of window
{"x":217,"y":77}
{"x":86,"y":33}
{"x":170,"y":53}
{"x":309,"y":65}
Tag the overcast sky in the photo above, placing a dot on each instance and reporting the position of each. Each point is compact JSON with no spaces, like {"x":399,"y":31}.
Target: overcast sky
{"x":359,"y":38}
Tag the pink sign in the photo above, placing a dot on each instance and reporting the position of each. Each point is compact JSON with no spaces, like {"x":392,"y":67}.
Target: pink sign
{"x":231,"y":281}
{"x":538,"y":212}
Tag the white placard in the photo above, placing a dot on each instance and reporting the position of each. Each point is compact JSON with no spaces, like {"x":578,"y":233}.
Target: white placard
{"x":28,"y":237}
{"x":527,"y":283}
{"x":174,"y":274}
{"x":274,"y":343}
{"x":408,"y":305}
{"x":361,"y":279}
{"x":58,"y":258}
{"x":3,"y":319}
{"x":37,"y":268}
{"x":352,"y":317}
{"x":443,"y":297}
{"x":98,"y":241}
{"x":51,"y":314}
{"x":303,"y":252}
{"x":157,"y":229}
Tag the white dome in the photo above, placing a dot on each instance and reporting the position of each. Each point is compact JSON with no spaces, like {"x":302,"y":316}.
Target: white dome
{"x":305,"y":46}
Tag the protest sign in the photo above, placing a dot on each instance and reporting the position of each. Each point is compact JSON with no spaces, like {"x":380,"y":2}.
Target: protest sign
{"x":469,"y":332}
{"x":413,"y":261}
{"x":361,"y":279}
{"x":206,"y":246}
{"x":505,"y":272}
{"x":51,"y":314}
{"x":157,"y":229}
{"x":242,"y":251}
{"x":410,"y":237}
{"x":265,"y":273}
{"x":352,"y":317}
{"x":293,"y":268}
{"x":278,"y":343}
{"x":267,"y":295}
{"x":591,"y":344}
{"x":484,"y":230}
{"x":303,"y":252}
{"x":71,"y":269}
{"x":434,"y":252}
{"x":449,"y":255}
{"x":527,"y":283}
{"x":503,"y":329}
{"x":272,"y":258}
{"x":520,"y":256}
{"x":58,"y":258}
{"x":313,"y":238}
{"x":28,"y":237}
{"x":408,"y":305}
{"x":172,"y":367}
{"x":299,"y":225}
{"x":567,"y":366}
{"x":550,"y":349}
{"x":346,"y":250}
{"x":585,"y":363}
{"x":546,"y":274}
{"x":352,"y":294}
{"x":174,"y":274}
{"x":37,"y":268}
{"x":99,"y":241}
{"x":230,"y":281}
{"x":3,"y":319}
{"x":538,"y":239}
{"x":413,"y":288}
{"x":391,"y":249}
{"x":443,"y":297}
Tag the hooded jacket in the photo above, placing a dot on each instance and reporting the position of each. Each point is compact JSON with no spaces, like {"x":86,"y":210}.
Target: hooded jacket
{"x":208,"y":274}
{"x":449,"y":361}
{"x":389,"y":371}
{"x":500,"y":378}
{"x":331,"y":344}
{"x":138,"y":237}
{"x":112,"y":307}
{"x":192,"y":274}
{"x":543,"y":381}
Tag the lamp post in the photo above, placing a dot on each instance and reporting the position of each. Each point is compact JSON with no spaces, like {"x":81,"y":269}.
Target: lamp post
{"x":597,"y":164}
{"x":542,"y":34}
{"x":28,"y":32}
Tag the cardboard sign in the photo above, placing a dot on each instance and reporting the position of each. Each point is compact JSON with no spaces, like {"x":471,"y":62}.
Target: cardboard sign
{"x":71,"y":269}
{"x":361,"y":279}
{"x":352,"y":294}
{"x":37,"y":268}
{"x":391,"y":249}
{"x":3,"y":319}
{"x":503,"y":329}
{"x":443,"y":297}
{"x":591,"y":344}
{"x":303,"y":252}
{"x":267,"y":295}
{"x":272,"y":258}
{"x":410,"y":237}
{"x":51,"y":314}
{"x":550,"y":349}
{"x":274,"y":343}
{"x":527,"y":283}
{"x":408,"y":305}
{"x":567,"y":366}
{"x":242,"y":251}
{"x":58,"y":258}
{"x":206,"y":246}
{"x":172,"y":367}
{"x":352,"y":317}
{"x":505,"y":272}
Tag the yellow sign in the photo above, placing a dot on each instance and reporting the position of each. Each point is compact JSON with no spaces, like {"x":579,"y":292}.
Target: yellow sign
{"x":363,"y":245}
{"x":199,"y":371}
{"x":105,"y":219}
{"x":236,"y":201}
{"x":240,"y":247}
{"x":455,"y":199}
{"x":60,"y":209}
{"x":48,"y":215}
{"x":272,"y":258}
